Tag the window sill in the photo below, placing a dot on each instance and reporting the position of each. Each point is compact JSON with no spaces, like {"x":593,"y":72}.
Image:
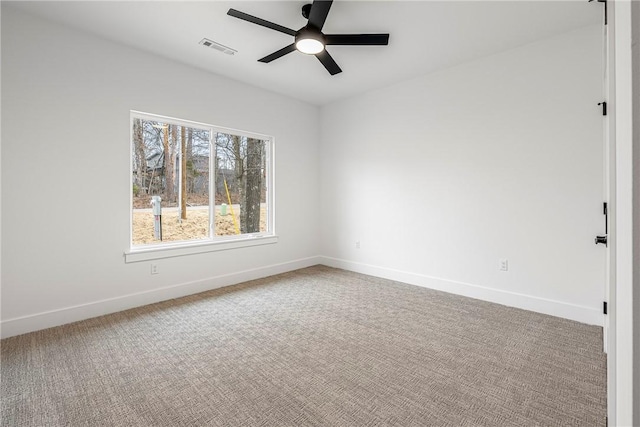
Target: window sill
{"x":192,"y":248}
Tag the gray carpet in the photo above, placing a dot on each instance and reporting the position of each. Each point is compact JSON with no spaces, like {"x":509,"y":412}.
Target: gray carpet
{"x":314,"y":347}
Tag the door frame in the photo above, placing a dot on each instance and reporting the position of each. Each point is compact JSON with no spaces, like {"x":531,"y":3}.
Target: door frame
{"x":620,"y":333}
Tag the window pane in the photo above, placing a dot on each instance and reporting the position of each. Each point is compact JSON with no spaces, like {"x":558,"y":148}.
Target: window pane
{"x":170,"y":182}
{"x":241,"y":185}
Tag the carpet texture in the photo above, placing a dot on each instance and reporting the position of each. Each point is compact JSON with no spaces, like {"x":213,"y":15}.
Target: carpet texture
{"x":314,"y":347}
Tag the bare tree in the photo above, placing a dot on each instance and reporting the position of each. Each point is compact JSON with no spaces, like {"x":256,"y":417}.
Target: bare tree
{"x":250,"y":202}
{"x":140,"y":157}
{"x":189,"y":162}
{"x":168,"y":165}
{"x":183,"y":173}
{"x":244,"y":157}
{"x":174,"y":145}
{"x":239,"y":171}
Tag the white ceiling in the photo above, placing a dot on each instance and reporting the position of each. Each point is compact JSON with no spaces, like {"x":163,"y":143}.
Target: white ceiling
{"x":425,"y":36}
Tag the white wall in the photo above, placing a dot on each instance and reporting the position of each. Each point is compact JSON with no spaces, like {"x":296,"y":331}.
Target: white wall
{"x":65,"y":173}
{"x":438,"y":177}
{"x":441,"y":176}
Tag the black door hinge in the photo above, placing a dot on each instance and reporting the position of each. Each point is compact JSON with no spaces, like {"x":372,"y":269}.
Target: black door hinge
{"x":604,"y":307}
{"x":604,"y":107}
{"x":605,"y":9}
{"x":604,"y":239}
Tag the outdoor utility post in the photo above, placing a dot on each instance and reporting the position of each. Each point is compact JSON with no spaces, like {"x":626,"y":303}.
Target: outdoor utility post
{"x":157,"y":217}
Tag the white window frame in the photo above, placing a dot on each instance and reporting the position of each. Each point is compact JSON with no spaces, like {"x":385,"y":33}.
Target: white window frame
{"x":212,"y":242}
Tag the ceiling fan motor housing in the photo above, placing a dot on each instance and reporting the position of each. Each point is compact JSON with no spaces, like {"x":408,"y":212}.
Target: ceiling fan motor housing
{"x":305,"y":10}
{"x":310,"y":33}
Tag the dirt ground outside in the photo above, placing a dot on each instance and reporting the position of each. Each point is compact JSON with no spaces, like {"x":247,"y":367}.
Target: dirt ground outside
{"x":195,"y":227}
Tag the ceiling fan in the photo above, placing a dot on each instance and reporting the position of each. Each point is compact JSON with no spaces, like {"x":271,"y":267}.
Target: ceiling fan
{"x":310,"y":39}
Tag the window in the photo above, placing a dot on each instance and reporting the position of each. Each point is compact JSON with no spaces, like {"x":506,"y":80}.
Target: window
{"x":194,"y":184}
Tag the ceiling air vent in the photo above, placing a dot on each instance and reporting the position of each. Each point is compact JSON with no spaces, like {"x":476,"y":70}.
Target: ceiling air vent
{"x":217,"y":46}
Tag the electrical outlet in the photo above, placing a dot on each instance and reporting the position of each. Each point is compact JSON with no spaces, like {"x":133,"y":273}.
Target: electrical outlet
{"x":503,"y":264}
{"x":154,"y":268}
{"x":358,"y":244}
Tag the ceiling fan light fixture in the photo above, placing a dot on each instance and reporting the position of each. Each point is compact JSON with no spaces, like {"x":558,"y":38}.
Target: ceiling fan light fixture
{"x":309,"y":46}
{"x":310,"y":42}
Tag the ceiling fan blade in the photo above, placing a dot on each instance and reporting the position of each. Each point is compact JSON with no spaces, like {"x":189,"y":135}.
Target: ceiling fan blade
{"x":319,"y":12}
{"x":357,"y":39}
{"x":328,"y":62}
{"x":259,"y":21}
{"x":278,"y":54}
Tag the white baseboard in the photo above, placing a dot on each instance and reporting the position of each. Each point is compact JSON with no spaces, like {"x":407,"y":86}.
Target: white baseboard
{"x":527,"y":302}
{"x":38,"y":321}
